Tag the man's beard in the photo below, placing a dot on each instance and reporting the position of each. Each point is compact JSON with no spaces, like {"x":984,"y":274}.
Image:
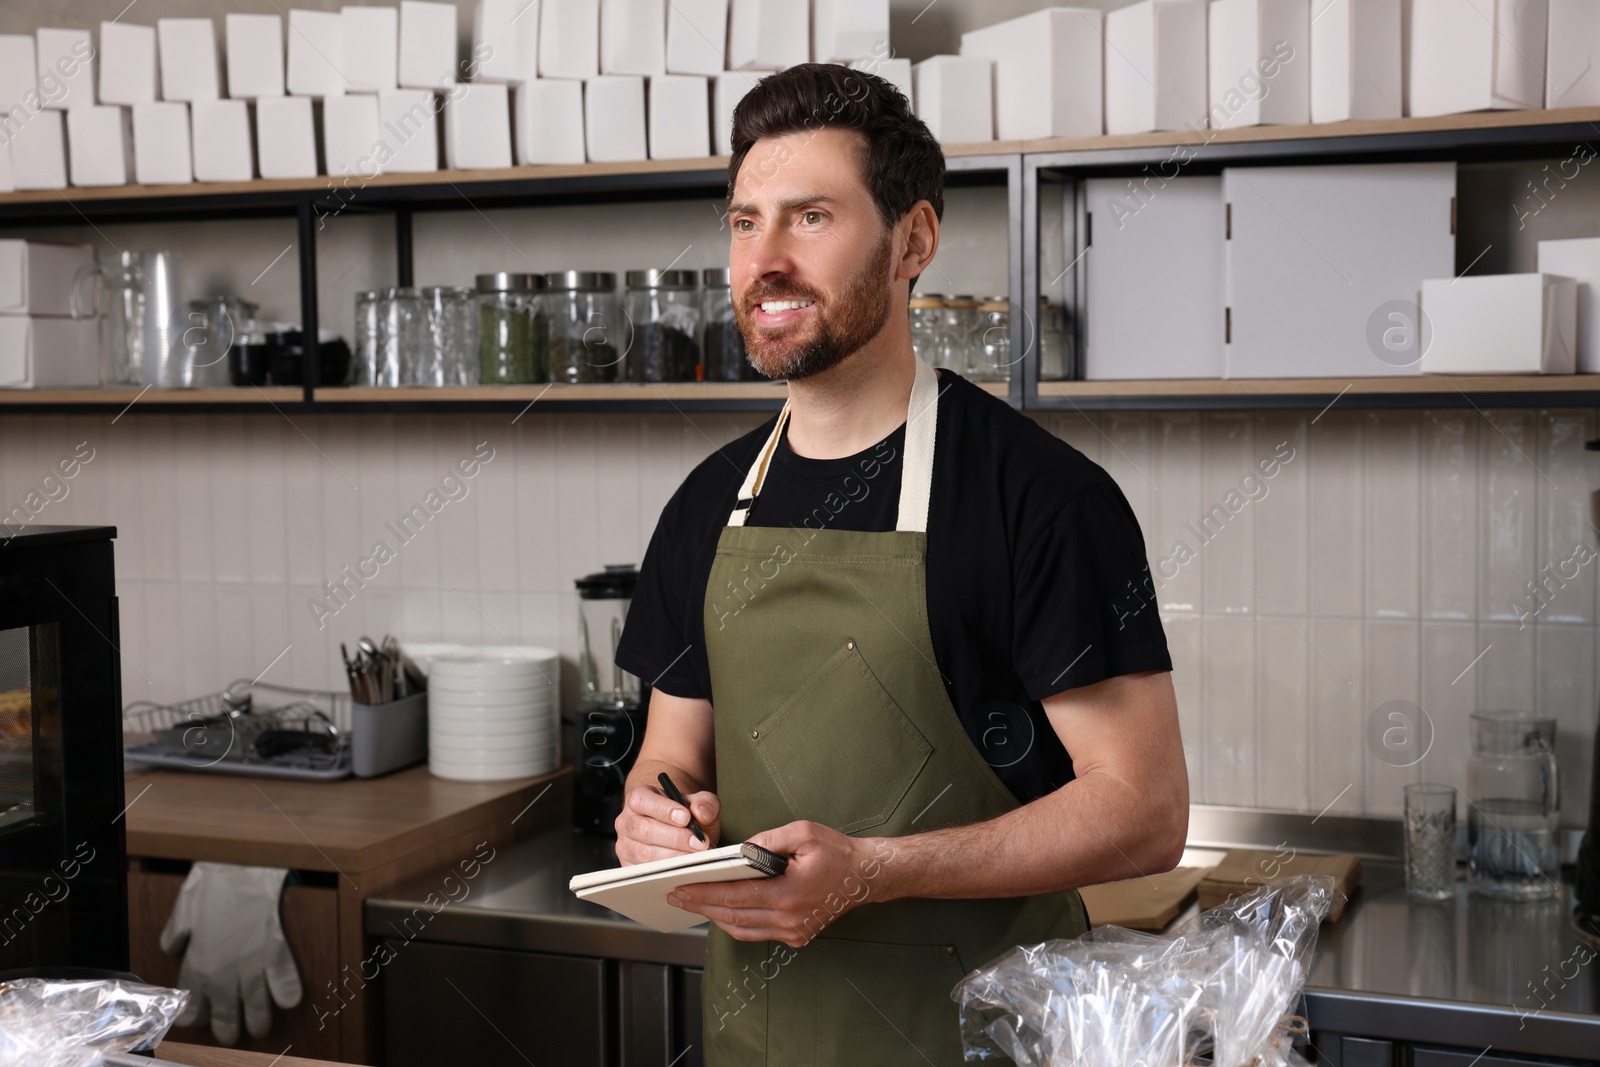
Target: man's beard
{"x":839,"y":333}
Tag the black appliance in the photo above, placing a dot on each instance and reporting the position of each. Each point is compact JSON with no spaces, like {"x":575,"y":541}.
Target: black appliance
{"x":609,"y":724}
{"x":63,"y":858}
{"x":1587,"y":890}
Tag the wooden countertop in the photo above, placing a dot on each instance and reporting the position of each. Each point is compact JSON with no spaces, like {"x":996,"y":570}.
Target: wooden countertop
{"x":200,"y":1056}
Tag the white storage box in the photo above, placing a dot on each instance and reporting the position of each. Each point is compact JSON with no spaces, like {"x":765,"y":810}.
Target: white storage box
{"x":633,"y":37}
{"x":1500,"y":324}
{"x":569,"y":38}
{"x":680,"y":117}
{"x":255,"y":56}
{"x":1572,"y":63}
{"x":286,"y":137}
{"x":127,"y":63}
{"x":427,"y":44}
{"x":1155,"y":289}
{"x":845,"y":31}
{"x":350,"y":135}
{"x":49,"y":353}
{"x":408,"y":121}
{"x":1475,"y":55}
{"x":477,"y":126}
{"x":19,"y":78}
{"x":66,"y":68}
{"x":37,"y":277}
{"x":505,"y":40}
{"x":613,"y":119}
{"x":955,"y":97}
{"x":1321,"y":258}
{"x":100,"y":145}
{"x":549,"y":120}
{"x":769,"y":34}
{"x":730,"y":88}
{"x":1355,"y":60}
{"x":370,"y":45}
{"x":1156,"y":66}
{"x":1047,"y":73}
{"x":1259,"y":63}
{"x":8,"y":183}
{"x":222,"y":141}
{"x":316,"y":45}
{"x":697,"y":37}
{"x":39,"y":152}
{"x":897,"y":72}
{"x":161,"y":143}
{"x":1579,"y":259}
{"x":189,"y":63}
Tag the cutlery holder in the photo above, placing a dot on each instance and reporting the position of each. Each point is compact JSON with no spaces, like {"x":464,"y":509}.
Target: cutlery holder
{"x":388,"y":737}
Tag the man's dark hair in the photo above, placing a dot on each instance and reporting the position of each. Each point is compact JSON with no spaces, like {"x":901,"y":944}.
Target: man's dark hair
{"x":903,"y":162}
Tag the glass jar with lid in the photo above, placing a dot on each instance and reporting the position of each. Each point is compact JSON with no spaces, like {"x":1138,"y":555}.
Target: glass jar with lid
{"x":927,"y":325}
{"x":451,"y":354}
{"x":587,"y":334}
{"x":512,"y":332}
{"x":958,"y":332}
{"x":664,"y":312}
{"x":991,"y":353}
{"x":1055,"y":353}
{"x":722,"y":345}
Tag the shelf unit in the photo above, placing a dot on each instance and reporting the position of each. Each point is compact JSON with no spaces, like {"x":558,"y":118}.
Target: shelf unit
{"x":1020,"y":166}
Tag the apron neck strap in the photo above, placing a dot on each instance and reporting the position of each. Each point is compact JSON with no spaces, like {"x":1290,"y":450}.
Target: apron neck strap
{"x":916,"y":476}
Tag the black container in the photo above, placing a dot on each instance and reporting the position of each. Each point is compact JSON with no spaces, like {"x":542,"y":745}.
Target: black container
{"x":247,"y":364}
{"x":286,"y":359}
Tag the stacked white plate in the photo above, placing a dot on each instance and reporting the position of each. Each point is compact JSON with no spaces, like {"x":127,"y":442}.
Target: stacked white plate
{"x":493,"y":713}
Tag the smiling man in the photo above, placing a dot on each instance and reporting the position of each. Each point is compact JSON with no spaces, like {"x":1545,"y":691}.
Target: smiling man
{"x":877,"y":625}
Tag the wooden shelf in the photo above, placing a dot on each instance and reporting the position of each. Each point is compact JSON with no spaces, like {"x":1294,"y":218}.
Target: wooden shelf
{"x":117,"y":398}
{"x":1521,"y":390}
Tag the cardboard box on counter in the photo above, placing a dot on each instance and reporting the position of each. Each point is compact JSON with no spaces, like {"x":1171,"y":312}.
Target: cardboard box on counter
{"x":427,"y":44}
{"x":408,"y":124}
{"x":697,"y":37}
{"x":161,"y":143}
{"x":844,"y":31}
{"x":730,"y":88}
{"x":955,"y":97}
{"x":1243,"y":870}
{"x":633,"y":37}
{"x":1572,"y":62}
{"x":477,"y":126}
{"x":769,"y":34}
{"x":505,"y":40}
{"x":100,"y":145}
{"x":369,"y":41}
{"x":613,"y":119}
{"x":1579,"y":259}
{"x":680,"y":117}
{"x":316,"y":45}
{"x":349,"y":135}
{"x":1477,"y":56}
{"x":1259,"y":62}
{"x":1355,"y":61}
{"x":66,"y":59}
{"x":49,"y":353}
{"x":569,"y":38}
{"x":1146,"y":903}
{"x":127,"y":64}
{"x":1047,"y":73}
{"x":286,"y":137}
{"x":222,"y":141}
{"x":39,"y":152}
{"x":254,"y":46}
{"x":548,"y":113}
{"x":189,"y":65}
{"x":1501,"y":324}
{"x":897,"y":72}
{"x":1156,"y":66}
{"x":38,"y":277}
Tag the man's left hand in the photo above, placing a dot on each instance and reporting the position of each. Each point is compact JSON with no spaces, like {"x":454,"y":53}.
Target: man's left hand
{"x":829,"y":874}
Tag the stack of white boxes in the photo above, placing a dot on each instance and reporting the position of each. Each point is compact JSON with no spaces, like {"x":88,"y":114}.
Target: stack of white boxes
{"x":48,"y":339}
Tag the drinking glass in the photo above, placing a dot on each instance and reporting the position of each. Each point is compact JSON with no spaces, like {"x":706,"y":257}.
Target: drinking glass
{"x":403,"y":341}
{"x":1513,"y":787}
{"x":1430,"y":824}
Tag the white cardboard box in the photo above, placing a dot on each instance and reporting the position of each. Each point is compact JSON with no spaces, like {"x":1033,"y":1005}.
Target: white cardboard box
{"x":697,"y":37}
{"x":477,"y":126}
{"x":569,"y":38}
{"x":549,"y":120}
{"x":844,"y":31}
{"x":769,"y":34}
{"x":1155,"y":288}
{"x":100,"y":144}
{"x":1355,"y":60}
{"x":370,"y":45}
{"x":189,"y":64}
{"x":161,"y":143}
{"x":613,"y":119}
{"x":955,"y":97}
{"x":1259,"y":62}
{"x":633,"y":37}
{"x":1579,"y":259}
{"x":286,"y":137}
{"x":49,"y":353}
{"x":408,"y":123}
{"x":66,"y":58}
{"x":37,"y":277}
{"x":8,"y":183}
{"x":730,"y":88}
{"x":39,"y":152}
{"x":19,"y":77}
{"x":1500,"y":324}
{"x":316,"y":47}
{"x":505,"y":40}
{"x":1047,"y":78}
{"x":1156,"y":66}
{"x":680,"y":116}
{"x":427,"y":44}
{"x":1572,"y":64}
{"x":127,"y":63}
{"x":222,"y":141}
{"x":350,"y":135}
{"x":897,"y":72}
{"x":1321,"y":260}
{"x":254,"y":45}
{"x":1476,"y":55}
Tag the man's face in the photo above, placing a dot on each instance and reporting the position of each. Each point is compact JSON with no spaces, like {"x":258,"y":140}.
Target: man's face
{"x":812,"y":261}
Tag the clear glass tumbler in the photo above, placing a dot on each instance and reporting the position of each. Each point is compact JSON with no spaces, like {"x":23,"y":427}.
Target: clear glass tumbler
{"x":366,"y":351}
{"x":1430,"y":827}
{"x":451,"y":354}
{"x":402,"y":337}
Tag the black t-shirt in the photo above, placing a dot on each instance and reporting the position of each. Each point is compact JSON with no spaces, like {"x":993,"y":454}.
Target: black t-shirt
{"x":1037,"y":576}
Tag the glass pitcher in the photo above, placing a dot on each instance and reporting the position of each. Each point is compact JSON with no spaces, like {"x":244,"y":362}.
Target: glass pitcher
{"x":1512,"y":784}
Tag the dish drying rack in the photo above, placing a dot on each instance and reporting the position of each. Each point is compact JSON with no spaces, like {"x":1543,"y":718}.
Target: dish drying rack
{"x":249,"y":728}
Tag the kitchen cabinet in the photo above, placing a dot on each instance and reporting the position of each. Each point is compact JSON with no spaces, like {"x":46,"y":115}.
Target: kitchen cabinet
{"x":1344,"y":1050}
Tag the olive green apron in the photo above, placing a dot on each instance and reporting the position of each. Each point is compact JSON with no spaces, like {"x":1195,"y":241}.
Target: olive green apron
{"x":830,"y":708}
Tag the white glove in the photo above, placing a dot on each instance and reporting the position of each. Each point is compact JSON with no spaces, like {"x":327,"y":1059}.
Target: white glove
{"x":228,"y":917}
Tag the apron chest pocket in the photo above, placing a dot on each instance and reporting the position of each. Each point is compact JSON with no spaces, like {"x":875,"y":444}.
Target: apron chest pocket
{"x":840,"y":750}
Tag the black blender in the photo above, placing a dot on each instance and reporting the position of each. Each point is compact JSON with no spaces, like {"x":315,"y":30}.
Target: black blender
{"x":609,"y":723}
{"x":1587,"y":891}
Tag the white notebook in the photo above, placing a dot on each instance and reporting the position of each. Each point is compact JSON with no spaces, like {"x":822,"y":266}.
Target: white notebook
{"x":640,"y":890}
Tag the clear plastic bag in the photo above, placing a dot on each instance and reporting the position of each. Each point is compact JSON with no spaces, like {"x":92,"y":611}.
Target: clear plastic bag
{"x":1218,"y":990}
{"x":51,"y":1023}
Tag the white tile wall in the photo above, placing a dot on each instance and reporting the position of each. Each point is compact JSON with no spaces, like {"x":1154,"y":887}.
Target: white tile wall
{"x":1377,"y":564}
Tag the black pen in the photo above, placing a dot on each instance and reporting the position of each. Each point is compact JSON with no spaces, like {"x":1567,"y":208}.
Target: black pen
{"x":677,"y":797}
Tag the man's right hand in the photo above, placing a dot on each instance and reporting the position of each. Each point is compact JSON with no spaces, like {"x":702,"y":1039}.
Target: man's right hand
{"x":654,"y":827}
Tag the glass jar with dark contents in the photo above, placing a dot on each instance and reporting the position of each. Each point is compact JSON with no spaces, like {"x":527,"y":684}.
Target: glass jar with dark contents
{"x":587,"y":334}
{"x":512,"y":329}
{"x":664,"y":310}
{"x":722,"y":343}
